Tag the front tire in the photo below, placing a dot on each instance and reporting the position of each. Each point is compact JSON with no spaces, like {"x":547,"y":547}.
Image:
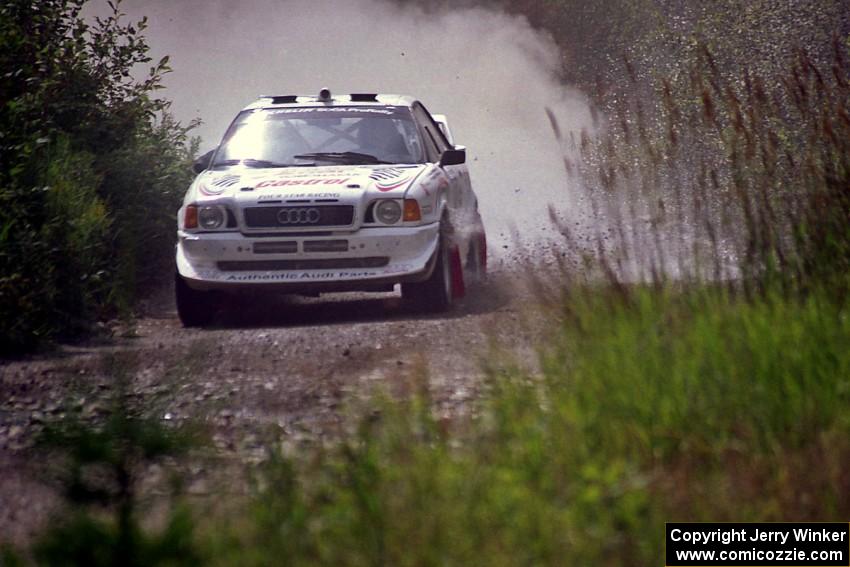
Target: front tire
{"x":195,"y":308}
{"x":436,"y":293}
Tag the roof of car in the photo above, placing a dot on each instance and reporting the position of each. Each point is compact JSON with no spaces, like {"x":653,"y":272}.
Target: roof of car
{"x":354,"y":99}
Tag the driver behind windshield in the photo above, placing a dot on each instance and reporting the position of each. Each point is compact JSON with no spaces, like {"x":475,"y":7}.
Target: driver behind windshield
{"x":380,"y":138}
{"x":282,"y":138}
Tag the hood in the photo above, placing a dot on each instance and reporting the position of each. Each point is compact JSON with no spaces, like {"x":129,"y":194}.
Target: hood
{"x":338,"y":182}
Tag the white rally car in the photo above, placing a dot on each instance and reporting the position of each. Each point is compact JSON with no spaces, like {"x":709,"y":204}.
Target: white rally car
{"x":311,"y":194}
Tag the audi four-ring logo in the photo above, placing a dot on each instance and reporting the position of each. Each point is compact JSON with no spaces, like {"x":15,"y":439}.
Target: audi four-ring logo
{"x":299,"y":215}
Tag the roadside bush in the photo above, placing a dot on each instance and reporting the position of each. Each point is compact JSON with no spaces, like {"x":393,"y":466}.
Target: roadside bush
{"x":52,"y":249}
{"x":93,"y":166}
{"x":144,"y":183}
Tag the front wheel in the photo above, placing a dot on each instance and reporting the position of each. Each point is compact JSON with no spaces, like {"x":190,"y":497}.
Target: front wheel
{"x":436,"y":293}
{"x":195,"y":308}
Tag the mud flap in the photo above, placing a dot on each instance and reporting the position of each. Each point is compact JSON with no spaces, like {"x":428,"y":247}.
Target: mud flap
{"x":458,"y":287}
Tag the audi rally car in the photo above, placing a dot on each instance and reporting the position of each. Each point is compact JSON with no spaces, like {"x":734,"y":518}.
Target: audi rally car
{"x":312,"y":194}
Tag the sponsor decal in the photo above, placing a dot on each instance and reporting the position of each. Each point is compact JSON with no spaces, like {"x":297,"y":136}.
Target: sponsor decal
{"x":340,"y":110}
{"x":336,"y":176}
{"x":325,"y":172}
{"x":227,"y":180}
{"x":434,"y":181}
{"x":310,"y":276}
{"x":301,"y":276}
{"x":387,"y":173}
{"x":390,"y":178}
{"x":218,"y":185}
{"x":390,"y":186}
{"x":296,"y":195}
{"x":296,"y":181}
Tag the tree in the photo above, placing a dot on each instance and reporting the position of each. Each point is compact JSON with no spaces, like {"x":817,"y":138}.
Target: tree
{"x":91,"y":162}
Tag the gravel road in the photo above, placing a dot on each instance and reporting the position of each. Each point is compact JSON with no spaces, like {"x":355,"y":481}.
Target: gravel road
{"x":296,"y":367}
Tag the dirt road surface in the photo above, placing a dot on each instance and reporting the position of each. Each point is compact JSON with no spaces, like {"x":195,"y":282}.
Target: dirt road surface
{"x":295,"y":367}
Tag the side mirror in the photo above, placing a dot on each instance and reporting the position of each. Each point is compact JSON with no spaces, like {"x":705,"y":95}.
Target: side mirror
{"x":203,"y":162}
{"x":453,"y":157}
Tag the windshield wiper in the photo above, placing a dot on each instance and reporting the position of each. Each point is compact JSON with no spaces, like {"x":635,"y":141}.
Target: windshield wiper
{"x":347,"y":157}
{"x":250,"y":162}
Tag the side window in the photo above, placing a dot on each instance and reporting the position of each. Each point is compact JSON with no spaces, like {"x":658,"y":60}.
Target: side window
{"x":435,"y":142}
{"x":437,"y":132}
{"x":433,"y":150}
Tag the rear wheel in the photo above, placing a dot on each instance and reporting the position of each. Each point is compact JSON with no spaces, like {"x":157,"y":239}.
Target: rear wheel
{"x":436,"y":293}
{"x":195,"y":308}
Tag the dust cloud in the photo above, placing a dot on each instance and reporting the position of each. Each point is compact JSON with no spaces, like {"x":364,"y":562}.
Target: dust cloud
{"x":490,"y":73}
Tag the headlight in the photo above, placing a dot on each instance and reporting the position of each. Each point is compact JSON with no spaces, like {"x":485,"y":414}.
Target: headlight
{"x":388,"y":212}
{"x":210,"y":217}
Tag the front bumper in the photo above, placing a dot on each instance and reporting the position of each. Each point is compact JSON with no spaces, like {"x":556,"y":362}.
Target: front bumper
{"x":369,"y":258}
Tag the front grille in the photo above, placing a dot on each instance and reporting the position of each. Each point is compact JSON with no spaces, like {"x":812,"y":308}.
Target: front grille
{"x":299,"y":217}
{"x":322,"y":264}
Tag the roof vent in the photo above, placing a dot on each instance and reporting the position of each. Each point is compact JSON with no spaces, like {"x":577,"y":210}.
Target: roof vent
{"x":282,"y":99}
{"x":364,"y":97}
{"x":325,"y":95}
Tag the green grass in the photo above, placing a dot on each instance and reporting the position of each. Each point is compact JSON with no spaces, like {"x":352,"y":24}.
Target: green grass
{"x":653,"y":404}
{"x":654,"y":407}
{"x":703,"y":368}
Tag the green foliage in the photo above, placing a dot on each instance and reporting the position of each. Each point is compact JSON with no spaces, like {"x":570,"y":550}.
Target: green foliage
{"x":651,"y":406}
{"x":144,"y":184}
{"x":85,"y":149}
{"x":705,"y":368}
{"x":81,"y":540}
{"x":659,"y":406}
{"x":52,"y":244}
{"x":103,"y":465}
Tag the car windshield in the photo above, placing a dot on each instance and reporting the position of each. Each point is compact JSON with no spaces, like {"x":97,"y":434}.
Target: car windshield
{"x":300,"y":136}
